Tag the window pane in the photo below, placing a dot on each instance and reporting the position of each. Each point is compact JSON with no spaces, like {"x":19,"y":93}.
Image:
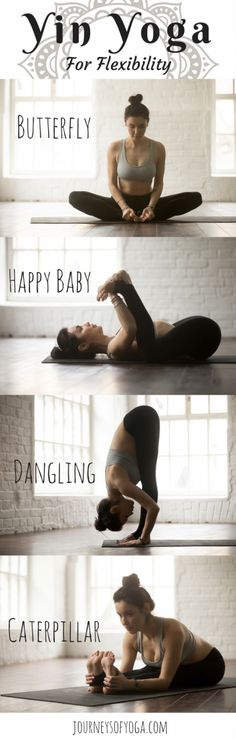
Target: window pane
{"x":225,"y":147}
{"x":224,"y":87}
{"x":218,"y":403}
{"x":178,"y":437}
{"x":225,"y":116}
{"x":218,"y":436}
{"x":176,"y":405}
{"x":199,"y":475}
{"x":199,"y":404}
{"x":198,"y":437}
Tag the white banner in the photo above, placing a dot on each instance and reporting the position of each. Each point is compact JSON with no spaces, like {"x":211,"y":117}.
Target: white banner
{"x":73,"y":726}
{"x":118,"y":40}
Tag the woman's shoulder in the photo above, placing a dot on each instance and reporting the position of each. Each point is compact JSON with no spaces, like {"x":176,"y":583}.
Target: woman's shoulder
{"x":158,"y":146}
{"x":172,"y":626}
{"x":114,"y":147}
{"x":130,"y":641}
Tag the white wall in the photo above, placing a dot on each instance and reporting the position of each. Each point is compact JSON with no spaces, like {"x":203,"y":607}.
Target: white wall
{"x":175,"y":278}
{"x":180,"y":118}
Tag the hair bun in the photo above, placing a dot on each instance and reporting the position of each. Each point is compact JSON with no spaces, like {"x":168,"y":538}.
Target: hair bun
{"x":135,"y":99}
{"x":56,"y":353}
{"x":99,"y":525}
{"x":131,"y":581}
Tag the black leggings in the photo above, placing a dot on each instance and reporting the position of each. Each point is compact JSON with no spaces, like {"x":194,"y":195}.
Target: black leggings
{"x":196,"y":337}
{"x":196,"y":674}
{"x":107,"y":209}
{"x":144,"y":426}
{"x":208,"y":671}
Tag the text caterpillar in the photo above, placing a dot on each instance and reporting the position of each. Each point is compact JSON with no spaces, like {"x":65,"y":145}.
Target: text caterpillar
{"x":150,"y":32}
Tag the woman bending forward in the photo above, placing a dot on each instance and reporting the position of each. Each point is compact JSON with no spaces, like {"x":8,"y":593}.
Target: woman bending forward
{"x":172,"y":655}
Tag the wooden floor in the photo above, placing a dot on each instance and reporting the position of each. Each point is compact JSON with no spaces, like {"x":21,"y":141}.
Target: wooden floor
{"x":87,"y":540}
{"x":22,"y":371}
{"x":61,"y":673}
{"x":15,"y":221}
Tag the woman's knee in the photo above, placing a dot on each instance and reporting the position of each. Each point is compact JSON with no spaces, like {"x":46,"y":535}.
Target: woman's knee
{"x":78,"y":197}
{"x":196,"y":199}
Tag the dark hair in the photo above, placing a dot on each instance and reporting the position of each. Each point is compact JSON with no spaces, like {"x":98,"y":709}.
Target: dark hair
{"x":136,"y":108}
{"x":106,"y":519}
{"x":68,"y":347}
{"x":132,"y":592}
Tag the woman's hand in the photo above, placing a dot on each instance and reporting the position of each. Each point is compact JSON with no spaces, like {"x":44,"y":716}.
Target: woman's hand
{"x":118,"y":684}
{"x":135,"y":543}
{"x":128,"y":214}
{"x":109,"y":286}
{"x":147,"y":214}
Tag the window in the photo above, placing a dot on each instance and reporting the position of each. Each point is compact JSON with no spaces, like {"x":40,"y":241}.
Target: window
{"x":62,"y":445}
{"x":66,"y":255}
{"x":224,"y":128}
{"x":39,"y":147}
{"x":192,"y":459}
{"x":13,"y":588}
{"x":95,"y":585}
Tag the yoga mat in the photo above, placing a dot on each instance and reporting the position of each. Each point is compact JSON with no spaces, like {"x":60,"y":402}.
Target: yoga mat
{"x":181,"y":219}
{"x":217,"y":359}
{"x":176,"y":543}
{"x":80,"y":696}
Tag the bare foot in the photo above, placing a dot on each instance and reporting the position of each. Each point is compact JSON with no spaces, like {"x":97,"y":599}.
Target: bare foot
{"x":94,"y":667}
{"x":108,"y":667}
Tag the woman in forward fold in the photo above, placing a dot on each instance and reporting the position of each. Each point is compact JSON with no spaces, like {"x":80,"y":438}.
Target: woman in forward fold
{"x":132,"y":458}
{"x":135,"y":177}
{"x":139,"y":337}
{"x":173,"y":656}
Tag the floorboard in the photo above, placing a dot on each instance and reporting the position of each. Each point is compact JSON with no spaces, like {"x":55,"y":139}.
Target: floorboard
{"x":22,"y":371}
{"x":87,"y":540}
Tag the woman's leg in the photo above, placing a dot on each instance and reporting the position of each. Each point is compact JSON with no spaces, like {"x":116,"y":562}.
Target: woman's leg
{"x":197,"y":674}
{"x":176,"y":205}
{"x":96,"y":205}
{"x":196,"y":337}
{"x":144,"y":426}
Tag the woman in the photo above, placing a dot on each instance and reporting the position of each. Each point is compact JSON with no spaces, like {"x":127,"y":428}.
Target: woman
{"x":173,"y":656}
{"x":135,"y":177}
{"x":132,"y":458}
{"x":139,"y":338}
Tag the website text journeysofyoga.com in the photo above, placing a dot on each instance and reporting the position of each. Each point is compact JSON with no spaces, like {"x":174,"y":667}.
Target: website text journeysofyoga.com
{"x":117,"y":727}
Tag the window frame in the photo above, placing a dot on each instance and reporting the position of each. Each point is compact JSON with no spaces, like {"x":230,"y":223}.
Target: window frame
{"x":11,"y":141}
{"x":215,"y":171}
{"x":68,"y":491}
{"x":189,"y":416}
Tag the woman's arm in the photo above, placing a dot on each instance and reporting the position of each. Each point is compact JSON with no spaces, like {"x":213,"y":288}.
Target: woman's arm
{"x":148,"y":212}
{"x":129,"y":653}
{"x":127,"y":212}
{"x":129,"y":490}
{"x":145,"y":334}
{"x":125,"y":337}
{"x":173,"y":644}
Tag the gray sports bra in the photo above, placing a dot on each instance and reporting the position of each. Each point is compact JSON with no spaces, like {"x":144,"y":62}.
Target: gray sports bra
{"x":128,"y":464}
{"x":187,"y":649}
{"x":140,"y":172}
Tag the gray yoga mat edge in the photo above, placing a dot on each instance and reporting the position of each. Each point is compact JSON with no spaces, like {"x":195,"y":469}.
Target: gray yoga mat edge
{"x":112,"y":543}
{"x":97,"y":221}
{"x":218,"y":359}
{"x":80,"y":696}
